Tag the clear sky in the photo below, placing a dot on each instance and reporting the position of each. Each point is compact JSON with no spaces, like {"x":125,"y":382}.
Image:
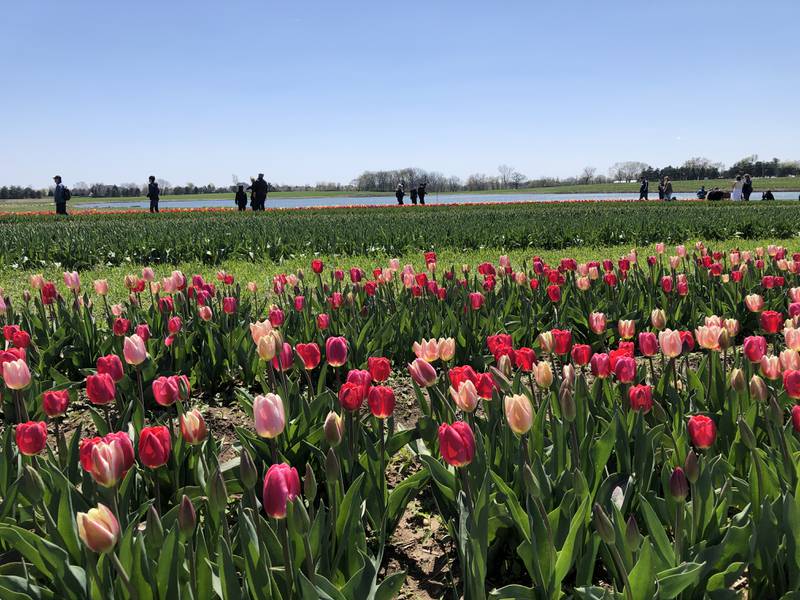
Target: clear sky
{"x":320,"y":91}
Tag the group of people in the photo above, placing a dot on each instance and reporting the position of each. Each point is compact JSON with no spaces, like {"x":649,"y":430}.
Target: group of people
{"x":258,"y":188}
{"x":742,"y":190}
{"x":415,"y":192}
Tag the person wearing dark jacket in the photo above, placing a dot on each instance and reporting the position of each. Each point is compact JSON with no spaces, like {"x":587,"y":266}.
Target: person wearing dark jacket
{"x":413,"y":194}
{"x":421,"y":192}
{"x":768,"y":195}
{"x":644,"y":189}
{"x":241,"y":198}
{"x":153,"y":193}
{"x":747,"y":187}
{"x":60,"y":196}
{"x":661,"y":189}
{"x":259,"y":195}
{"x":399,"y":193}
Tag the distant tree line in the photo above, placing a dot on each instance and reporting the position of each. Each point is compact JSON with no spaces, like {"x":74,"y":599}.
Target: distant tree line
{"x":507,"y":178}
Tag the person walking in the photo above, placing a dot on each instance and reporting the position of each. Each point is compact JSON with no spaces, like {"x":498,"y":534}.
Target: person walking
{"x":421,"y":191}
{"x":413,"y":194}
{"x":60,"y":196}
{"x":736,"y":190}
{"x":399,"y":193}
{"x":260,"y":189}
{"x":241,"y":198}
{"x":644,"y":189}
{"x":153,"y":193}
{"x":747,"y":187}
{"x":667,"y":189}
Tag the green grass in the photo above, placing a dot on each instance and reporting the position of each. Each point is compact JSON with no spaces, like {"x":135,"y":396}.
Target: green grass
{"x":14,"y":281}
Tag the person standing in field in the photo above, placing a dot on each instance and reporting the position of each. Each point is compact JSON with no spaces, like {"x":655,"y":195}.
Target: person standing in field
{"x":60,"y":196}
{"x":747,"y":187}
{"x":259,"y":196}
{"x":421,"y":192}
{"x":413,"y":194}
{"x":399,"y":193}
{"x":153,"y":193}
{"x":644,"y":189}
{"x":661,"y":189}
{"x":736,"y":190}
{"x":667,"y":189}
{"x":241,"y":198}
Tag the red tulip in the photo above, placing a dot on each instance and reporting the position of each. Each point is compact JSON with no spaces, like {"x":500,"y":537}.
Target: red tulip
{"x":771,"y":321}
{"x":299,"y":303}
{"x":381,"y":401}
{"x":21,"y":339}
{"x":174,"y":325}
{"x":625,"y":369}
{"x":379,"y":368}
{"x":581,"y":354}
{"x":100,"y":388}
{"x":336,"y":351}
{"x":55,"y":403}
{"x":554,"y":293}
{"x":495,"y":341}
{"x":648,"y":343}
{"x":485,"y":385}
{"x":525,"y":359}
{"x":791,"y":383}
{"x":323,"y":321}
{"x":9,"y":331}
{"x":121,"y":326}
{"x":316,"y":266}
{"x":166,"y":304}
{"x":284,"y":358}
{"x":309,"y":354}
{"x":155,"y":446}
{"x":167,"y":390}
{"x":31,"y":437}
{"x":111,"y":365}
{"x":476,"y":300}
{"x":107,"y":459}
{"x":143,"y":331}
{"x":229,"y":304}
{"x":754,"y":348}
{"x":456,"y":443}
{"x":796,"y":418}
{"x":276,"y":317}
{"x":601,"y":366}
{"x":281,"y":486}
{"x":641,"y":397}
{"x":563,"y":341}
{"x":702,"y":431}
{"x":351,"y":396}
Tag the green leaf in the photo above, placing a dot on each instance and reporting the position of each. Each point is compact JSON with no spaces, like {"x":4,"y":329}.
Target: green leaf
{"x":444,"y":479}
{"x":642,"y":577}
{"x":673,"y":581}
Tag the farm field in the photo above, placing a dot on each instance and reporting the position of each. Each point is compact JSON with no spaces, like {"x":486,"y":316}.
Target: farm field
{"x":589,"y":400}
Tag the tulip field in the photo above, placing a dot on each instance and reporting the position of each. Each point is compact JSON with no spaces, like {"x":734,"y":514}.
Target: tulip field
{"x":620,"y":428}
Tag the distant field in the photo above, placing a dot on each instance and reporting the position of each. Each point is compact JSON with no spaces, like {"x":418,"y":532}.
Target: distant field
{"x":776,"y":184}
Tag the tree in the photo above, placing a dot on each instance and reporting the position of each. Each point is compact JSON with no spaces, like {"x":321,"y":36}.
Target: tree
{"x":587,"y":175}
{"x":517,"y":178}
{"x":627,"y":171}
{"x":505,"y":175}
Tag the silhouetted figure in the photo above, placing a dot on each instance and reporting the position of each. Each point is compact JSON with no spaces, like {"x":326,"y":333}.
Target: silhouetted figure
{"x":259,"y":196}
{"x":768,"y":195}
{"x":413,"y":194}
{"x":421,"y":192}
{"x":241,"y":198}
{"x":747,"y":187}
{"x":60,"y":196}
{"x":661,"y":189}
{"x":644,"y":189}
{"x":667,"y":189}
{"x":701,"y":193}
{"x":153,"y":193}
{"x":715,"y":194}
{"x":399,"y":193}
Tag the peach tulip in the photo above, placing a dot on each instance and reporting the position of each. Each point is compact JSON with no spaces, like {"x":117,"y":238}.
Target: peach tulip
{"x":101,"y":287}
{"x":98,"y":529}
{"x":466,"y":397}
{"x":670,"y":343}
{"x":771,"y":367}
{"x":519,"y":413}
{"x":427,"y":350}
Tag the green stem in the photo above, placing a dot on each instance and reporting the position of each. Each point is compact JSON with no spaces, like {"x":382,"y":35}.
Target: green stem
{"x":123,"y":575}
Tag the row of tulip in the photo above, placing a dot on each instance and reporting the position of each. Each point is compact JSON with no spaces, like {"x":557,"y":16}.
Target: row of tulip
{"x":654,"y":456}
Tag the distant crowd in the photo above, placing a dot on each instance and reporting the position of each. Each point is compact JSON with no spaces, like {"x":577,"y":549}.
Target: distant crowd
{"x":741,"y":189}
{"x":416,"y":192}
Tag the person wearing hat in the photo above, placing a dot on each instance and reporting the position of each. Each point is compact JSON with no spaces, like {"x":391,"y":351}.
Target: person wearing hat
{"x":60,"y":196}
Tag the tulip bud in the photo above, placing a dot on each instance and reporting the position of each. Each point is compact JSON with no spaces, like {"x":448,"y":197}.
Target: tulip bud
{"x":334,"y":429}
{"x":678,"y":485}
{"x":603,"y":525}
{"x":32,"y":485}
{"x":737,"y":380}
{"x":748,"y":438}
{"x":187,"y":518}
{"x":724,"y":340}
{"x":296,"y":507}
{"x":217,"y":493}
{"x":691,"y":466}
{"x":531,"y":483}
{"x":567,"y":402}
{"x":154,"y":537}
{"x":248,"y":474}
{"x":658,"y":319}
{"x":774,"y":413}
{"x":504,"y":366}
{"x":331,"y":467}
{"x":632,"y":536}
{"x":758,"y":389}
{"x":310,"y":484}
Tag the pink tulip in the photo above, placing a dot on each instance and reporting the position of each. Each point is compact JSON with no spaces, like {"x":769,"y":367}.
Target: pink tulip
{"x":134,"y":350}
{"x":16,"y":374}
{"x":336,"y":351}
{"x":269,"y":415}
{"x":281,"y":486}
{"x":597,"y":322}
{"x":423,"y":374}
{"x":671,"y":343}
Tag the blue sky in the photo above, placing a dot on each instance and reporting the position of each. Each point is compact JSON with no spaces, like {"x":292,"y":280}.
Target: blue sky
{"x":318,"y":91}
